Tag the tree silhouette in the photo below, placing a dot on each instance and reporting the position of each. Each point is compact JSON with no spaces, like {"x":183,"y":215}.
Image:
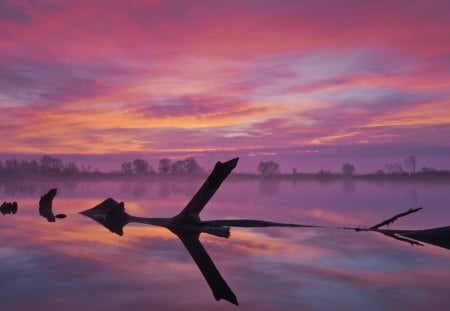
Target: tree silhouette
{"x":268,"y":168}
{"x":394,"y":168}
{"x":177,"y":168}
{"x":12,"y":165}
{"x":164,"y":166}
{"x":47,"y":165}
{"x":140,"y":166}
{"x":70,"y":168}
{"x":188,"y":166}
{"x":192,"y":167}
{"x":348,"y":169}
{"x":410,"y":164}
{"x":125,"y":168}
{"x":50,"y":165}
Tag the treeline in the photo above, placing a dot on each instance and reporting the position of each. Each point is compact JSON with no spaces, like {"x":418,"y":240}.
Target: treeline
{"x":45,"y":166}
{"x":188,"y":166}
{"x":51,"y":166}
{"x":54,"y":167}
{"x":394,"y":170}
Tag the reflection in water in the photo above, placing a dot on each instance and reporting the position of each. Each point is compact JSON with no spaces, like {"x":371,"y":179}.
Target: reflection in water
{"x":348,"y":186}
{"x":46,"y":206}
{"x":184,"y":187}
{"x":269,"y":187}
{"x":136,"y":189}
{"x":437,"y":236}
{"x":73,"y":265}
{"x":164,"y":189}
{"x":187,"y":226}
{"x":13,"y":187}
{"x":31,"y":187}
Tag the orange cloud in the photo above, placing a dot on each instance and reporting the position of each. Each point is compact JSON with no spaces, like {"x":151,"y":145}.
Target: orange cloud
{"x":155,"y":76}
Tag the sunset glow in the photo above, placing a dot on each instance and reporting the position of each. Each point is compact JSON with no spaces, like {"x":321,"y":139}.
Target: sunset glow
{"x":170,"y":77}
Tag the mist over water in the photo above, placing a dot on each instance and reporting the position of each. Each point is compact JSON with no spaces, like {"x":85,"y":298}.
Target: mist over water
{"x":76,"y":264}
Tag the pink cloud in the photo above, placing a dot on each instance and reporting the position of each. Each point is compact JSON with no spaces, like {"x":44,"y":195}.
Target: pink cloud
{"x":181,"y":76}
{"x":215,"y":28}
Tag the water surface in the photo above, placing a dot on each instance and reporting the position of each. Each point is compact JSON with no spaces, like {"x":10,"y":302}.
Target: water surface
{"x":76,"y":264}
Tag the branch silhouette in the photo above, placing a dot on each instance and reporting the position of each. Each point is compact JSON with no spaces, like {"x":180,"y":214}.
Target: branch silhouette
{"x":9,"y":208}
{"x":46,"y":206}
{"x":188,"y":226}
{"x":436,"y":236}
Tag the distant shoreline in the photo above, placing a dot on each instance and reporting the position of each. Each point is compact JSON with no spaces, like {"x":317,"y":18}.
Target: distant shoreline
{"x":436,"y":175}
{"x":52,"y":168}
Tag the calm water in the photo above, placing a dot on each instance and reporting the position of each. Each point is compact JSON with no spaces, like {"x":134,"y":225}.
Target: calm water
{"x":76,"y":264}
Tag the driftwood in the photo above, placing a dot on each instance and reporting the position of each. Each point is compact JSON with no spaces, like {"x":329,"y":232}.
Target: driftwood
{"x":436,"y":236}
{"x":9,"y":208}
{"x":391,"y":220}
{"x":188,"y":226}
{"x":46,"y":206}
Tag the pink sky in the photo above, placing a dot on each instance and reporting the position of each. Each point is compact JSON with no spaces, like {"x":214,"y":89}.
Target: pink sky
{"x":256,"y":79}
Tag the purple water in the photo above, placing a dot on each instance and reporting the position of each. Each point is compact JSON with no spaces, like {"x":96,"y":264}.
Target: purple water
{"x":76,"y":264}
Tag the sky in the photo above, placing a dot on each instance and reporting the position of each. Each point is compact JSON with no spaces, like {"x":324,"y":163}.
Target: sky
{"x":309,"y":84}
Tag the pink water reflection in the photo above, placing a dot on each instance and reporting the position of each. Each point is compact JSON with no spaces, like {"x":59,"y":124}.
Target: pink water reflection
{"x":75,"y":263}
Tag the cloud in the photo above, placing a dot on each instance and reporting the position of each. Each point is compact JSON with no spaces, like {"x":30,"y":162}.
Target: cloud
{"x":215,"y":28}
{"x":177,"y":76}
{"x":12,"y":12}
{"x":32,"y":83}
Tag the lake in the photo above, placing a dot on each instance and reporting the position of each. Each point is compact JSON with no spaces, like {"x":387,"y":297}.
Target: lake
{"x":77,"y":264}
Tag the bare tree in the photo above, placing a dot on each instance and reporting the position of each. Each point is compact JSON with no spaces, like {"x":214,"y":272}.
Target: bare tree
{"x":324,"y":172}
{"x":348,"y":169}
{"x":379,"y":172}
{"x":192,"y":167}
{"x":164,"y":166}
{"x":268,"y":168}
{"x":86,"y":169}
{"x":428,"y":170}
{"x":126,"y":168}
{"x":394,"y":168}
{"x":188,"y":166}
{"x":140,"y":166}
{"x":410,"y":164}
{"x":34,"y":167}
{"x":11,"y":166}
{"x":71,"y":168}
{"x":50,"y":165}
{"x":178,"y":168}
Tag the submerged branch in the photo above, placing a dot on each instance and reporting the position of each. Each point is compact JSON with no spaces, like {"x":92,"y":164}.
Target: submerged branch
{"x":394,"y":218}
